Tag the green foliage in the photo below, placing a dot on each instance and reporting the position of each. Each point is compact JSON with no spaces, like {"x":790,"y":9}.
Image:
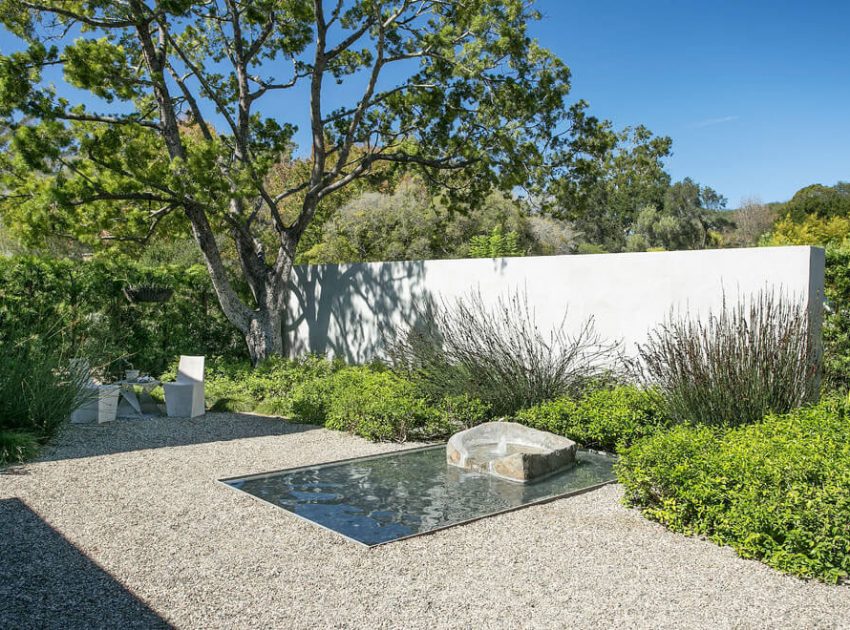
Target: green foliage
{"x":379,"y":406}
{"x":310,"y":400}
{"x":463,"y":411}
{"x":820,"y":201}
{"x":498,"y":354}
{"x":87,"y":301}
{"x":811,"y":229}
{"x":608,"y":419}
{"x":613,"y":176}
{"x":38,"y":391}
{"x":689,"y":218}
{"x":836,"y":323}
{"x":178,"y":140}
{"x":496,"y":244}
{"x":370,"y":401}
{"x":410,"y":224}
{"x":777,"y":491}
{"x":750,"y":359}
{"x":269,"y":388}
{"x":17,"y":446}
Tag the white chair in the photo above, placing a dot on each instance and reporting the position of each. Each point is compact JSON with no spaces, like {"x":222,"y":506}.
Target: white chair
{"x":185,"y":397}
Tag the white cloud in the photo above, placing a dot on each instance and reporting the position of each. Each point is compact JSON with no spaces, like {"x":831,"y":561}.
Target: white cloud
{"x":708,"y":122}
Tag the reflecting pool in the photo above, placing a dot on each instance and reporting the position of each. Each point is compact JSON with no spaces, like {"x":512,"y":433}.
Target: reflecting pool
{"x":378,"y":499}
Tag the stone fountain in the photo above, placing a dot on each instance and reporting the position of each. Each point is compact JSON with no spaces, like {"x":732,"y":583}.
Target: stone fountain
{"x":510,"y":451}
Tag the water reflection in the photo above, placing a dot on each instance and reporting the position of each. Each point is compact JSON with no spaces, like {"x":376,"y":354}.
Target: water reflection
{"x":383,"y":498}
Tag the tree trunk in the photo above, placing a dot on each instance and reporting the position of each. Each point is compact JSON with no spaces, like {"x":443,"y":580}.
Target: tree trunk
{"x":264,"y":336}
{"x":264,"y":332}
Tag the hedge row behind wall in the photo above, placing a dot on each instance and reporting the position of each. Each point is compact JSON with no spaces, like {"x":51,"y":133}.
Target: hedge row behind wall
{"x":836,"y":323}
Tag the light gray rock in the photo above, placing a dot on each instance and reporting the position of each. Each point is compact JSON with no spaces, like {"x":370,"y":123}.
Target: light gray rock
{"x":510,"y":451}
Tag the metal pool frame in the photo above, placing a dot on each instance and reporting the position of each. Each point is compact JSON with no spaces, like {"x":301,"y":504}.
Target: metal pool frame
{"x":348,"y":460}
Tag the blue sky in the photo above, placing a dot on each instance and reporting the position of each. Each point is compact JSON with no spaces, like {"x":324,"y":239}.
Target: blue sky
{"x":755,"y":94}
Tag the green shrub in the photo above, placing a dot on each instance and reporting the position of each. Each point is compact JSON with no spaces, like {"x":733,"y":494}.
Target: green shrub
{"x":311,"y":399}
{"x":268,"y":388}
{"x":752,"y":358}
{"x":38,"y":391}
{"x":462,"y":412}
{"x":606,"y":419}
{"x":498,"y":354}
{"x":555,"y":416}
{"x":17,"y":446}
{"x":370,"y":401}
{"x":777,"y":491}
{"x":87,"y":301}
{"x":379,"y":406}
{"x":836,"y":321}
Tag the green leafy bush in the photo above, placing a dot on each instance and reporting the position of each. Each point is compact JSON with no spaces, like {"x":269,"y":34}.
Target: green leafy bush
{"x":836,"y":322}
{"x":268,"y":388}
{"x":88,"y":300}
{"x":777,"y":491}
{"x":311,"y":399}
{"x":17,"y":446}
{"x":377,"y":405}
{"x":368,"y":400}
{"x":606,"y":419}
{"x":750,"y":359}
{"x":462,"y":412}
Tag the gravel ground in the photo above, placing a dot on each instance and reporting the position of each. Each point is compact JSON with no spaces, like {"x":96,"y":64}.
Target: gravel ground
{"x":124,"y":525}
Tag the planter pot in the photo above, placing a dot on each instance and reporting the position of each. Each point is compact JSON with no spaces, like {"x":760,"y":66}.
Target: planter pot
{"x":147,"y":293}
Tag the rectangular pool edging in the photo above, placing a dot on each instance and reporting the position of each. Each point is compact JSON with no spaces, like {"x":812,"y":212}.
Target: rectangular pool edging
{"x":347,"y":460}
{"x":490,"y":515}
{"x":542,"y":501}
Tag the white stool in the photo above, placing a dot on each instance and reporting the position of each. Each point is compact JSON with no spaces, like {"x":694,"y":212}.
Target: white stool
{"x":107,"y":402}
{"x":101,"y":405}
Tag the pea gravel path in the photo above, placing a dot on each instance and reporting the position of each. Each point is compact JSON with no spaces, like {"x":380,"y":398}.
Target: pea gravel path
{"x":123,"y":525}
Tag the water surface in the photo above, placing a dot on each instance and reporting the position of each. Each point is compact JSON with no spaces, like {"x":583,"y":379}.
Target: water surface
{"x":378,"y":499}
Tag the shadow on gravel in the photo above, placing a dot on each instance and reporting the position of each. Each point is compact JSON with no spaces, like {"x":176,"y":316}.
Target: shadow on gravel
{"x":46,"y":582}
{"x":124,"y":435}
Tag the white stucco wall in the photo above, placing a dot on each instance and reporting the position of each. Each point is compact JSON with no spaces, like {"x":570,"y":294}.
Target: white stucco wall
{"x":342,"y":310}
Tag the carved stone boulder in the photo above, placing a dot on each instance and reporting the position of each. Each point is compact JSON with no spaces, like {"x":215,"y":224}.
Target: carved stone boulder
{"x":510,"y":451}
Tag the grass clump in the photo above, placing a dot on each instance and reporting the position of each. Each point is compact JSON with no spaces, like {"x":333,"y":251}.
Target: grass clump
{"x":498,"y":354}
{"x":777,"y":491}
{"x":749,"y":360}
{"x":17,"y":446}
{"x":38,"y":390}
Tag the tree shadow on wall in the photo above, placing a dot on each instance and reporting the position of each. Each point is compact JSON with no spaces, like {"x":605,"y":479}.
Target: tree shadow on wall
{"x":348,"y":310}
{"x":46,"y":582}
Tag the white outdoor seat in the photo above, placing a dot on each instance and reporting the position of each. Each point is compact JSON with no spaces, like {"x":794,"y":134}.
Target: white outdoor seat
{"x":100,"y":402}
{"x":185,"y":397}
{"x":87,"y":411}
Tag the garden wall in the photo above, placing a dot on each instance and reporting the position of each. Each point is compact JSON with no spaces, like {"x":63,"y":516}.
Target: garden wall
{"x":345,"y":310}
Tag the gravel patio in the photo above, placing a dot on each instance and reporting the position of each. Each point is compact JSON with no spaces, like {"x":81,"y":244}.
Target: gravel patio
{"x":123,"y":525}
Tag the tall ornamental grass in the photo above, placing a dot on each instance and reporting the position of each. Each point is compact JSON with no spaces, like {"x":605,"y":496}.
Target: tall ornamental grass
{"x":736,"y":366}
{"x":498,"y":354}
{"x":38,"y":389}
